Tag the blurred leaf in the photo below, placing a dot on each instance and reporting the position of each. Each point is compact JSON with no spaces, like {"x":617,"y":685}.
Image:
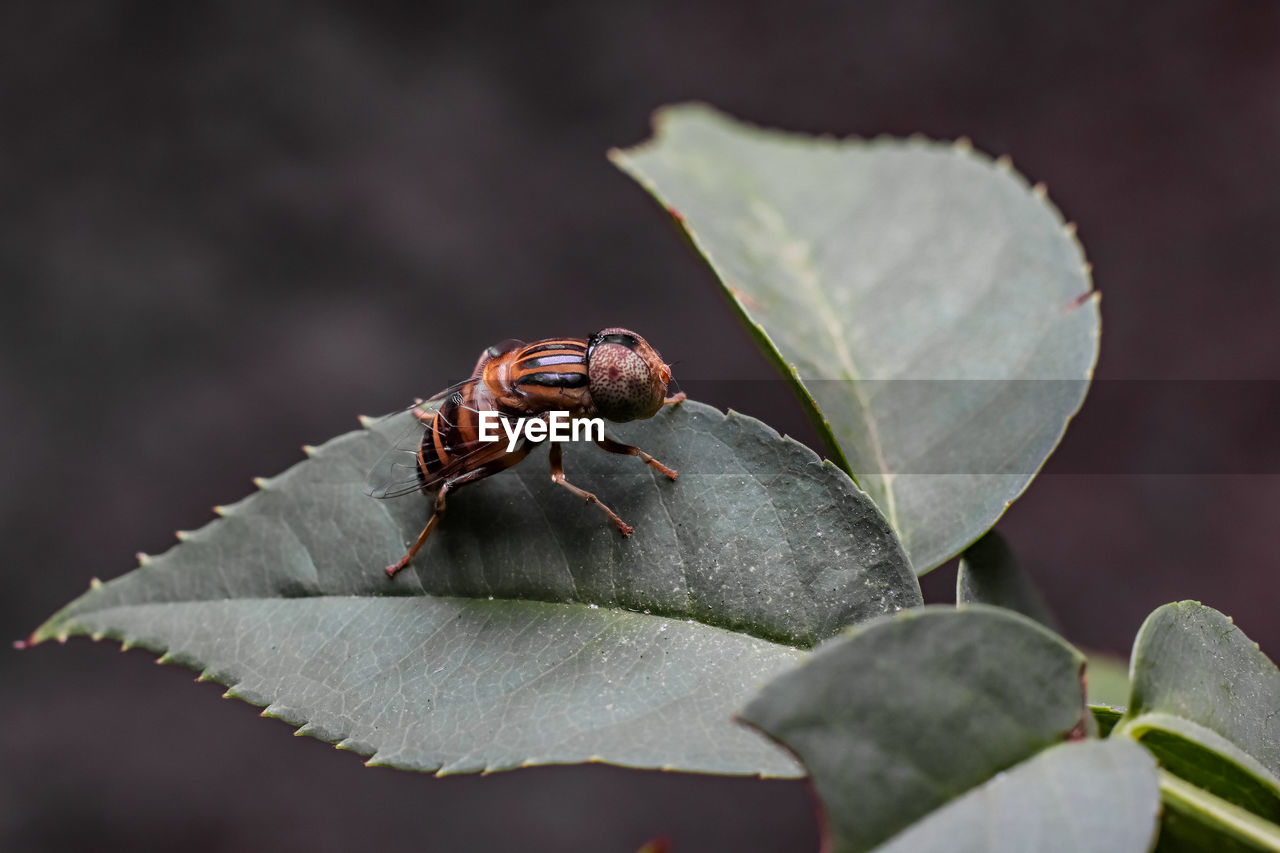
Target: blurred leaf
{"x":1105,"y":717}
{"x":1206,"y":702}
{"x":1107,"y":685}
{"x":878,"y":273}
{"x":1088,"y":796}
{"x":908,"y":713}
{"x":989,"y":574}
{"x":1107,"y":680}
{"x":528,"y":631}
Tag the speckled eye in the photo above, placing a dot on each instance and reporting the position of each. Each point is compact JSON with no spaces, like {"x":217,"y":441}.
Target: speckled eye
{"x":623,"y":381}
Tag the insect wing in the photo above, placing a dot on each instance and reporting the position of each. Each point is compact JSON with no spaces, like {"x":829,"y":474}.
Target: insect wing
{"x":396,"y":471}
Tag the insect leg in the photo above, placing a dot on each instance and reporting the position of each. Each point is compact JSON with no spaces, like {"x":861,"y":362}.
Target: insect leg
{"x":504,"y":461}
{"x":557,"y":477}
{"x":612,"y":446}
{"x":436,"y":515}
{"x":675,"y":398}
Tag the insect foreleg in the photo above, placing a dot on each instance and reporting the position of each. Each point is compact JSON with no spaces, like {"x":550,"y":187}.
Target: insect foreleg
{"x":674,"y":398}
{"x":557,"y":477}
{"x":612,"y":446}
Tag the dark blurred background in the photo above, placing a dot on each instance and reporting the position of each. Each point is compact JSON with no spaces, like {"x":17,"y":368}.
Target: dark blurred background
{"x":227,"y":228}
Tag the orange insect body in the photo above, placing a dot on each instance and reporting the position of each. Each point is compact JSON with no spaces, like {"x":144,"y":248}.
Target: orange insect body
{"x":614,"y":374}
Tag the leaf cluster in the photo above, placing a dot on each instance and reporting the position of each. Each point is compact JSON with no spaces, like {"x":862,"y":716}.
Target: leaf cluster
{"x":935,"y":317}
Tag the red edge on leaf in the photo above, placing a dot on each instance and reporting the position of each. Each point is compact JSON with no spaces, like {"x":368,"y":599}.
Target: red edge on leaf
{"x":1080,"y":300}
{"x":744,"y":299}
{"x":827,"y":844}
{"x":1080,"y":730}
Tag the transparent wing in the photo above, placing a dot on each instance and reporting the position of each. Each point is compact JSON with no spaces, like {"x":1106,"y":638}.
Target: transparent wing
{"x":397,"y":472}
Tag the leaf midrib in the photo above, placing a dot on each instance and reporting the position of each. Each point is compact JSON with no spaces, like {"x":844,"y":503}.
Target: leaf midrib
{"x":1243,"y":823}
{"x":77,"y":628}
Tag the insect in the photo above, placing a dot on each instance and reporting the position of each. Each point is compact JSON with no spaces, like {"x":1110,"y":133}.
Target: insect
{"x":614,"y":374}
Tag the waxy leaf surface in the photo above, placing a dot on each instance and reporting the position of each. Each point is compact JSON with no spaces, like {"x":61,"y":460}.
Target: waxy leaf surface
{"x":1206,"y":701}
{"x":1088,"y":796}
{"x":933,"y":311}
{"x":990,"y":574}
{"x":528,"y":630}
{"x":907,"y":713}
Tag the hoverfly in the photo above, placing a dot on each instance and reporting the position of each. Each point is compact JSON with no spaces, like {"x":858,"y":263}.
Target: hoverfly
{"x":614,"y":374}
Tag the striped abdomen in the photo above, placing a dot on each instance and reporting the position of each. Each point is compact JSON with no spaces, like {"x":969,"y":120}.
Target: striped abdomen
{"x":518,"y":380}
{"x":452,"y":439}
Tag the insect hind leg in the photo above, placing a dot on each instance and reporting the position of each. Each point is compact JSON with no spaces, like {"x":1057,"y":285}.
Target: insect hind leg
{"x":557,"y":477}
{"x":436,"y":515}
{"x":503,"y":462}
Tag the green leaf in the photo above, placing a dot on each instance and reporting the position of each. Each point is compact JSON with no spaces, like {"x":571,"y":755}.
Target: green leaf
{"x":1196,"y":820}
{"x":877,"y":274}
{"x":1107,"y":685}
{"x":989,"y":574}
{"x":1206,"y":702}
{"x":910,"y":712}
{"x":1088,"y":796}
{"x":528,"y":630}
{"x":1107,"y":678}
{"x":1105,"y":717}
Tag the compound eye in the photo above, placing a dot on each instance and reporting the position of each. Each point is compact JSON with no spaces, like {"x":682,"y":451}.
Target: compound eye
{"x":621,"y":383}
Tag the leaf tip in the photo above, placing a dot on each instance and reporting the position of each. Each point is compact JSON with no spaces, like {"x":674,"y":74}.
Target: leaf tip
{"x":261,"y":482}
{"x":1004,"y":163}
{"x":182,"y":535}
{"x":95,"y":583}
{"x":220,"y":511}
{"x":964,"y":145}
{"x":1040,"y":191}
{"x":309,"y":450}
